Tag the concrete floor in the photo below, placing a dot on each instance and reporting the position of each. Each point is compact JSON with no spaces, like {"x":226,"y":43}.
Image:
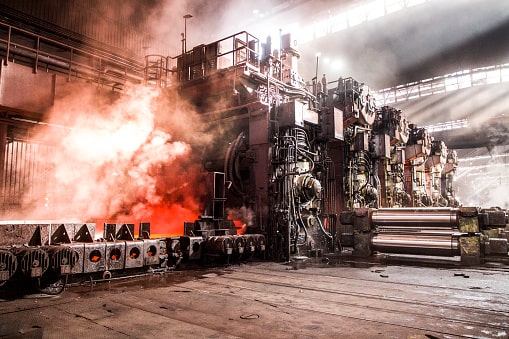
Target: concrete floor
{"x":273,"y":300}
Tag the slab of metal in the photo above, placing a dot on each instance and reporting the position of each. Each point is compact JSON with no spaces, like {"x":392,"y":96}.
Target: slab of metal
{"x":274,"y":300}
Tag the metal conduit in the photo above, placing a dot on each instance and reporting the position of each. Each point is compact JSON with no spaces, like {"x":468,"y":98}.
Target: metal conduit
{"x":117,"y":75}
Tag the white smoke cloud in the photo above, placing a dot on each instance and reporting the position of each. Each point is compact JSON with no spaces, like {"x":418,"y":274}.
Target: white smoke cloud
{"x":110,"y":161}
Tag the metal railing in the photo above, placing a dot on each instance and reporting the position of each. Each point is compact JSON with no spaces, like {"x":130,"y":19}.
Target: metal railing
{"x":240,"y":49}
{"x":156,"y":72}
{"x":51,"y":55}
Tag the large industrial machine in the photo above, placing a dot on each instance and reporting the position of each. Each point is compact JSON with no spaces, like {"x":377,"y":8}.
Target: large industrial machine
{"x":317,"y":168}
{"x":308,"y":158}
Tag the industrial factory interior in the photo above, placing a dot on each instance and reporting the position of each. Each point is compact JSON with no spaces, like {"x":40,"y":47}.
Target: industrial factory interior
{"x":251,"y":169}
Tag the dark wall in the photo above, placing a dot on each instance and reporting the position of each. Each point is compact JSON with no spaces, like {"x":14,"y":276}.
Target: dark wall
{"x":118,"y":24}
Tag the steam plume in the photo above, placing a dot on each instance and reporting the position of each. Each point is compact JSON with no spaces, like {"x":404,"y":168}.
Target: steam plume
{"x":114,"y":162}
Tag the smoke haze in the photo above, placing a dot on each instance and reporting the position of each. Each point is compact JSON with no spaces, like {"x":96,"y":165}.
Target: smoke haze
{"x":115,"y":161}
{"x":131,"y":156}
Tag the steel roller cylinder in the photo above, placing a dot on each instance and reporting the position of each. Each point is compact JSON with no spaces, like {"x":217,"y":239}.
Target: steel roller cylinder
{"x":420,"y":245}
{"x":239,"y":243}
{"x":250,"y":243}
{"x":219,"y":245}
{"x":416,"y":217}
{"x":8,"y":265}
{"x":416,"y":230}
{"x":260,"y":242}
{"x":33,"y":261}
{"x":62,"y":259}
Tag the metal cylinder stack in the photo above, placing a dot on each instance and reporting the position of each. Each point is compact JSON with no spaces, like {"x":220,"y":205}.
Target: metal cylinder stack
{"x":416,"y":231}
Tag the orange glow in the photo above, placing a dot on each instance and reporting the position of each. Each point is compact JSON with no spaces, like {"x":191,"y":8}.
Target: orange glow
{"x":239,"y":225}
{"x":123,"y":160}
{"x":169,"y":221}
{"x":165,"y":221}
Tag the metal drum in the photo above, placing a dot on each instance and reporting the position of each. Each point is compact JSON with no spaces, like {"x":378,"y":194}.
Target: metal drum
{"x":8,"y":265}
{"x":62,"y":259}
{"x":33,"y":261}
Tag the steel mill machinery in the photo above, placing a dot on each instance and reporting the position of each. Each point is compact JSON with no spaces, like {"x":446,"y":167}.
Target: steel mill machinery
{"x":48,"y":254}
{"x":308,"y":168}
{"x":300,"y":159}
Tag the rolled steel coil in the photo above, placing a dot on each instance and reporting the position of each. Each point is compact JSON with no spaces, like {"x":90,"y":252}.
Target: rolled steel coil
{"x":250,"y":243}
{"x":239,"y":244}
{"x":259,"y":241}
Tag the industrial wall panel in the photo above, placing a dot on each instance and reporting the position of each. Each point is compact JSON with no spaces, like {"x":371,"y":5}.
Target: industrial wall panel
{"x":24,"y":174}
{"x":38,"y":89}
{"x":119,"y":24}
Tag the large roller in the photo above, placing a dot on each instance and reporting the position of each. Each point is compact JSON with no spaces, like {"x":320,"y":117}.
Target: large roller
{"x":416,"y":230}
{"x":423,"y":245}
{"x":8,"y":265}
{"x":416,"y":217}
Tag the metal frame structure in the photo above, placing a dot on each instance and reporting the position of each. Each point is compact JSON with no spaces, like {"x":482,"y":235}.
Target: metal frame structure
{"x":19,"y":45}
